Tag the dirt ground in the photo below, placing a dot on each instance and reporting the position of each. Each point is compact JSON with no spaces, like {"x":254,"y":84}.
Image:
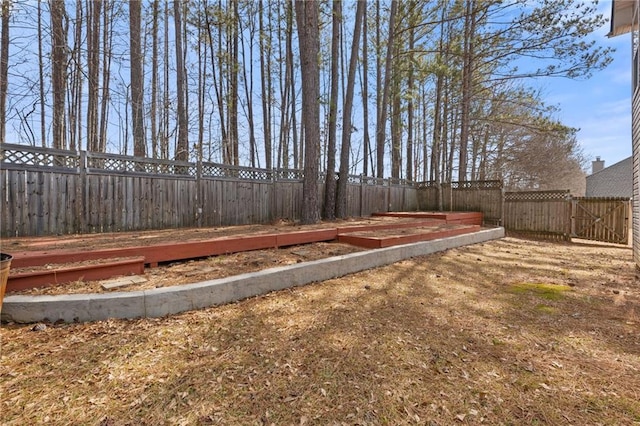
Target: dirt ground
{"x":506,"y":332}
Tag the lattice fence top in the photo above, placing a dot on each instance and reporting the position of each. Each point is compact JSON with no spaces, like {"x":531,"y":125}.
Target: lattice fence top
{"x":236,"y":172}
{"x":39,"y":157}
{"x":480,"y":184}
{"x":126,"y":164}
{"x":537,"y":195}
{"x":24,"y":156}
{"x":597,"y":199}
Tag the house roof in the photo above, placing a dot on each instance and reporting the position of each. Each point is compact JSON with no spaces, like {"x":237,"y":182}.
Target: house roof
{"x":622,"y":16}
{"x":613,"y":181}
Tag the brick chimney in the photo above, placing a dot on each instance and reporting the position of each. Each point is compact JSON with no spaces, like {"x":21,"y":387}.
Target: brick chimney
{"x":597,"y":165}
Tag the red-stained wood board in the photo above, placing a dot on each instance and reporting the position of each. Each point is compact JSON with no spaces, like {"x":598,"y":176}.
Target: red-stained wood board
{"x":373,"y":240}
{"x":60,"y":275}
{"x":469,"y":218}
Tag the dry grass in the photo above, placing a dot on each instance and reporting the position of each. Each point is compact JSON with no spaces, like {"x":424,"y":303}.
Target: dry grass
{"x":462,"y":337}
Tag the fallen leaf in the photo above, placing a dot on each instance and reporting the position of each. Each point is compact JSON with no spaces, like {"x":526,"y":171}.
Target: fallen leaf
{"x":556,"y":364}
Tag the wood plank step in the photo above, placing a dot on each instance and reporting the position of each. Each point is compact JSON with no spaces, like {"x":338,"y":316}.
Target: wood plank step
{"x":122,"y":282}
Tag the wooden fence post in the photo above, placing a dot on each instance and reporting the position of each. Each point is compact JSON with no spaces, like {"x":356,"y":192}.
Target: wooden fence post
{"x":572,"y":213}
{"x":199,"y":205}
{"x":361,"y":193}
{"x":81,"y":195}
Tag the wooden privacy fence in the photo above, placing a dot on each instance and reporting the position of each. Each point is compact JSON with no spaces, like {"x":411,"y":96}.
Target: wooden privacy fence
{"x":542,"y":214}
{"x":48,"y":192}
{"x":479,"y":196}
{"x":558,"y":215}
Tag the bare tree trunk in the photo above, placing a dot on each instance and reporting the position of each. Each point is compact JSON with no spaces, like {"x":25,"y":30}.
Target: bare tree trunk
{"x":233,"y":84}
{"x":202,"y":81}
{"x":410,"y":129}
{"x":265,"y":79}
{"x":153,"y":110}
{"x":248,"y":83}
{"x":396,"y":123}
{"x":135,"y":57}
{"x":75,"y":73}
{"x":297,"y":164}
{"x":474,"y":154}
{"x":378,"y":80}
{"x":43,"y":120}
{"x":437,"y":129}
{"x":93,"y":74}
{"x":309,"y":39}
{"x":438,"y":115}
{"x":107,"y":42}
{"x":467,"y":70}
{"x":4,"y":66}
{"x":59,"y":72}
{"x":426,"y":170}
{"x":164,"y":142}
{"x":285,"y":94}
{"x":125,"y":128}
{"x":366,"y":149}
{"x":345,"y":148}
{"x":330,"y":181}
{"x":218,"y":89}
{"x":185,"y":68}
{"x":223,"y":99}
{"x":453,"y":124}
{"x":382,"y":113}
{"x":482,"y":167}
{"x":447,"y":149}
{"x":182,"y":145}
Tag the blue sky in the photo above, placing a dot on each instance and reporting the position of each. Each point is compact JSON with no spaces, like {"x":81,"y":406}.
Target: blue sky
{"x":600,"y":106}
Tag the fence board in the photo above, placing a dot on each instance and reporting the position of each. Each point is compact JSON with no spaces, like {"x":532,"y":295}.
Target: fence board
{"x":21,"y":204}
{"x":354,"y":194}
{"x":396,"y":198}
{"x":66,"y":203}
{"x":52,"y":209}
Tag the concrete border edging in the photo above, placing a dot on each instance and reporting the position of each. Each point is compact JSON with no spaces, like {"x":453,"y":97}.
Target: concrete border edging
{"x":172,"y":300}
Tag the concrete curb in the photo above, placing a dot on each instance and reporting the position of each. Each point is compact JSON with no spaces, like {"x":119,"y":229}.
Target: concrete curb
{"x":172,"y":300}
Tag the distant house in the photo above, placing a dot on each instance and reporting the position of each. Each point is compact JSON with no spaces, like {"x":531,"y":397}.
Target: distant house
{"x":612,"y":181}
{"x":625,"y":17}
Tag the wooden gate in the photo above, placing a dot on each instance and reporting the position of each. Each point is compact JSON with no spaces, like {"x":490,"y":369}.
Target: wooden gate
{"x":601,"y":219}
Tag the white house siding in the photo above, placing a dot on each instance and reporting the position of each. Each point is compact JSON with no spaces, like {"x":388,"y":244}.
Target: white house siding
{"x":635,"y":120}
